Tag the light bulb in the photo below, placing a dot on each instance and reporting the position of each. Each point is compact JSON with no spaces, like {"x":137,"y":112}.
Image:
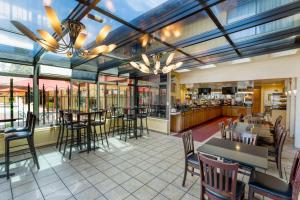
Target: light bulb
{"x":69,"y":54}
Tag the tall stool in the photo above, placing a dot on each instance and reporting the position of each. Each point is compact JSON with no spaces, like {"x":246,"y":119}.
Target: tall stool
{"x":21,"y":135}
{"x":60,"y":136}
{"x":73,"y":126}
{"x":128,"y":125}
{"x":143,"y":114}
{"x":115,"y":115}
{"x":98,"y":119}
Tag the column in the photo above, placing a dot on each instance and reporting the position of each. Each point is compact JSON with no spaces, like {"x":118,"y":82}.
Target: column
{"x":288,"y":105}
{"x":296,"y":116}
{"x":97,"y":94}
{"x":36,"y":91}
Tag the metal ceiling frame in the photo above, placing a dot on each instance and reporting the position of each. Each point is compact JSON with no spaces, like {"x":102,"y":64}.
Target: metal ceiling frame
{"x":188,"y":9}
{"x":256,"y":20}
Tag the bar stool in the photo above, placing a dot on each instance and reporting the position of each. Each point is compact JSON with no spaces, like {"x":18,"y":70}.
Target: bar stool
{"x":61,"y":129}
{"x":25,"y":128}
{"x":114,"y":119}
{"x":98,"y":119}
{"x":143,"y":114}
{"x":21,"y":135}
{"x":73,"y":126}
{"x":130,"y":117}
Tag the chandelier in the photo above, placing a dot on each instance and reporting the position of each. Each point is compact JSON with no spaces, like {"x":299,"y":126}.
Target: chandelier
{"x":71,"y":45}
{"x":156,"y":68}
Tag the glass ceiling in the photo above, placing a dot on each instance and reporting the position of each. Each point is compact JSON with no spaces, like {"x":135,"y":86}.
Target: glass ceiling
{"x":181,"y":25}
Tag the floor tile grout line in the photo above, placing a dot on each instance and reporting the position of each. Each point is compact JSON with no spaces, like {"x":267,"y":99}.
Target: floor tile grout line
{"x":37,"y":184}
{"x":57,"y":176}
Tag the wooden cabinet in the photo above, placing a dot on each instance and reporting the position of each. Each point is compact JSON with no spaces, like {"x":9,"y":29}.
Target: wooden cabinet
{"x":186,"y":120}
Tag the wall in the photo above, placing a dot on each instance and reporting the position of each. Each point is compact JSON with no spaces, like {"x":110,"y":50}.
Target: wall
{"x":267,"y":89}
{"x":266,"y":68}
{"x":48,"y":135}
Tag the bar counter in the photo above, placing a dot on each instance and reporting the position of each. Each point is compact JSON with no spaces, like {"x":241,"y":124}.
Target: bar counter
{"x":184,"y":120}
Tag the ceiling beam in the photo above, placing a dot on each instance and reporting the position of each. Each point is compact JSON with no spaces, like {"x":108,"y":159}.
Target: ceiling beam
{"x":108,"y":14}
{"x":216,"y":21}
{"x":256,"y":20}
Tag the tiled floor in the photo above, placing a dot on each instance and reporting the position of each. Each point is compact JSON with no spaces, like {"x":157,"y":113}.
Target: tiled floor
{"x":148,"y":168}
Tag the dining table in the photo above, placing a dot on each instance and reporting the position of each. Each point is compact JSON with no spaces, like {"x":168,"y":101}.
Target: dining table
{"x":244,"y":154}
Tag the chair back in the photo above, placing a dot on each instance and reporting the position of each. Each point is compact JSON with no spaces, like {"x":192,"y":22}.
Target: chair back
{"x":222,"y":129}
{"x":32,"y":122}
{"x":61,"y":116}
{"x":248,"y":138}
{"x":218,"y":177}
{"x":101,"y":115}
{"x":229,"y":122}
{"x":188,"y":143}
{"x":281,"y":139}
{"x":68,"y":118}
{"x":28,"y":115}
{"x":278,"y":120}
{"x":295,"y":177}
{"x":130,"y":112}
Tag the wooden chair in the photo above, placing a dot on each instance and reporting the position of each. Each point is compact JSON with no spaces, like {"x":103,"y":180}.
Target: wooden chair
{"x":222,"y":130}
{"x":274,"y":188}
{"x":277,"y":152}
{"x":246,"y":138}
{"x":191,"y":159}
{"x":218,"y":180}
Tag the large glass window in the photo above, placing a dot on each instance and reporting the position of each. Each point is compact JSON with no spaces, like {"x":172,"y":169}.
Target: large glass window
{"x":15,"y":100}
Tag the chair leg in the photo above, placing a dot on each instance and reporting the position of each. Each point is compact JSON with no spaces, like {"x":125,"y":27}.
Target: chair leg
{"x":71,"y":145}
{"x":7,"y":158}
{"x":105,"y":135}
{"x":58,"y":137}
{"x":94,"y":137}
{"x":33,"y":152}
{"x":279,"y":166}
{"x":110,"y":126}
{"x":141,"y":127}
{"x":66,"y":142}
{"x":250,"y":194}
{"x":114,"y":127}
{"x":184,"y":176}
{"x":62,"y":137}
{"x":147,"y":125}
{"x":101,"y":134}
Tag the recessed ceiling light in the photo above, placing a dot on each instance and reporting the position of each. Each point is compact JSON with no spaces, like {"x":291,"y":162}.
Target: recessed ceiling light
{"x":182,"y":70}
{"x":207,"y":66}
{"x":243,"y":60}
{"x":284,"y":53}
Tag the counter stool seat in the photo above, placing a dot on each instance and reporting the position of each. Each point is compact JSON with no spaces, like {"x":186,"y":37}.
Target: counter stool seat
{"x":11,"y":129}
{"x":271,"y":185}
{"x":17,"y":135}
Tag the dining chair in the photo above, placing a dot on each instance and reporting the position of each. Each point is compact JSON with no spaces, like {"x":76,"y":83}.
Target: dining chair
{"x":218,"y":180}
{"x":277,"y":152}
{"x":222,"y":130}
{"x":190,"y":157}
{"x":245,"y":138}
{"x":115,"y":115}
{"x":61,"y":124}
{"x":275,"y":188}
{"x":21,"y":135}
{"x":271,"y":141}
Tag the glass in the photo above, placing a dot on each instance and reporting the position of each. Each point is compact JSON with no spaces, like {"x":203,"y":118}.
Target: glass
{"x":53,"y":97}
{"x":271,"y":27}
{"x":232,"y":11}
{"x":207,"y":46}
{"x":16,"y":69}
{"x":22,"y":100}
{"x":194,"y":25}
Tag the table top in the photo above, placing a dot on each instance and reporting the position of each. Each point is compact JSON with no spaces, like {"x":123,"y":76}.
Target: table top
{"x":250,"y":155}
{"x":258,"y":129}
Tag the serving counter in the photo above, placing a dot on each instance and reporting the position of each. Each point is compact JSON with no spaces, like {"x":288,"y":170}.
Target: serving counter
{"x":184,"y":120}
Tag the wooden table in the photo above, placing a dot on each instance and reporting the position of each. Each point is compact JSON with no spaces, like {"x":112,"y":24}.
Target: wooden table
{"x":244,"y":154}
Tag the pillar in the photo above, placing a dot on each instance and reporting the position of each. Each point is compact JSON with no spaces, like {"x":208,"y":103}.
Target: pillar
{"x":297,"y":109}
{"x":36,"y":91}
